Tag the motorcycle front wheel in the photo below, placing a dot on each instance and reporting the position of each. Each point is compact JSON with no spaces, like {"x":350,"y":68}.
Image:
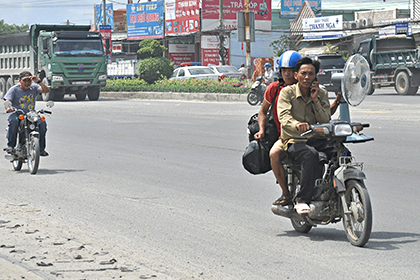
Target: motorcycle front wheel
{"x":252,"y":98}
{"x":301,"y":227}
{"x":17,"y":164}
{"x":33,"y":155}
{"x":358,"y":222}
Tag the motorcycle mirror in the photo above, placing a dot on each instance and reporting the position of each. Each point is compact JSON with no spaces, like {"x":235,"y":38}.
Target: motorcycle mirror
{"x":7,"y":104}
{"x":50,"y":104}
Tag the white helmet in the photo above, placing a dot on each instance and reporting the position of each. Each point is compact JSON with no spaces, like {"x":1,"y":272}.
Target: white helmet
{"x":288,"y":59}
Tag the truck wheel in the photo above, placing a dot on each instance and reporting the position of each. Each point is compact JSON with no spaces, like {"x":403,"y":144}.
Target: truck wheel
{"x":57,"y":94}
{"x":93,"y":94}
{"x":371,"y":89}
{"x":49,"y":95}
{"x":80,"y":96}
{"x":9,"y":83}
{"x":403,"y":85}
{"x":2,"y":87}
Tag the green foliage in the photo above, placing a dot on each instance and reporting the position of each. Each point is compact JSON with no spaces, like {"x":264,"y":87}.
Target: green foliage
{"x":284,"y":43}
{"x":227,"y":85}
{"x":150,"y":48}
{"x":7,"y":29}
{"x":330,"y":49}
{"x":155,"y":68}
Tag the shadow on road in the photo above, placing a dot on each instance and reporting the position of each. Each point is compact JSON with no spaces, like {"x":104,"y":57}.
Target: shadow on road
{"x":58,"y":171}
{"x":380,"y":240}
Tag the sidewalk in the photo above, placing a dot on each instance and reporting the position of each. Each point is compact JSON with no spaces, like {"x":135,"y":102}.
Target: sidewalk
{"x":13,"y":269}
{"x":208,"y":97}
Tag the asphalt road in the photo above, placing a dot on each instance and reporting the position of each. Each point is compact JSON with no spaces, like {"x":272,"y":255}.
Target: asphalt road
{"x":163,"y":182}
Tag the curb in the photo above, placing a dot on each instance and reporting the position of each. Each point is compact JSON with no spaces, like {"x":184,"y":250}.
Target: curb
{"x":209,"y":97}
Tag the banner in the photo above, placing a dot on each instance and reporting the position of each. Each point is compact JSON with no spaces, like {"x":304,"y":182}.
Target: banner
{"x":105,"y":31}
{"x":210,"y":13}
{"x":99,"y":15}
{"x":291,"y":8}
{"x":145,"y":20}
{"x":210,"y":50}
{"x":182,"y":17}
{"x":179,"y":53}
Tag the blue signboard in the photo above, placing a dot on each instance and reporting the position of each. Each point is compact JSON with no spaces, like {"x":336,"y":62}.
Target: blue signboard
{"x":290,"y":8}
{"x":99,"y":15}
{"x":145,"y":20}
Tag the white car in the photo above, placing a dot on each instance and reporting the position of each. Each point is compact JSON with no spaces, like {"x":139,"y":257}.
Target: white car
{"x":228,"y":71}
{"x":194,"y":72}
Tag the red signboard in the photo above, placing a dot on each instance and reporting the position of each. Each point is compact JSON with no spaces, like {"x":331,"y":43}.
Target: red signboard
{"x":211,"y":56}
{"x":182,"y":17}
{"x":210,"y":13}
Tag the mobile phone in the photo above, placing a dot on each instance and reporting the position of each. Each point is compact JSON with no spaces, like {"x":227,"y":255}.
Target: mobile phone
{"x":316,"y":79}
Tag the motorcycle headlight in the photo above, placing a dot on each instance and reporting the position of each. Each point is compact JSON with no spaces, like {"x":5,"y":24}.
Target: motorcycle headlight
{"x":343,"y":129}
{"x":32,"y":116}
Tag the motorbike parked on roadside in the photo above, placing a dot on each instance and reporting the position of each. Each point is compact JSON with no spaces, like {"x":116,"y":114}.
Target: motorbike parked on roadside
{"x":27,"y":149}
{"x":341,"y":192}
{"x":256,"y":94}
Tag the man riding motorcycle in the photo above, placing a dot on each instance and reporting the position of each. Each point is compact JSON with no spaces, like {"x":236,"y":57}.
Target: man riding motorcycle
{"x":299,"y":106}
{"x":23,"y":96}
{"x":268,"y":74}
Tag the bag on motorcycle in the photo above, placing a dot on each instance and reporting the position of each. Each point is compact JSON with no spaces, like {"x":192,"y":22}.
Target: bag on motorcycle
{"x":256,"y":158}
{"x":271,"y":132}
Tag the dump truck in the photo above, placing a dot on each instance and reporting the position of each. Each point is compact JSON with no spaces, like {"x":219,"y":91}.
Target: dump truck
{"x":69,"y":59}
{"x":394,"y":61}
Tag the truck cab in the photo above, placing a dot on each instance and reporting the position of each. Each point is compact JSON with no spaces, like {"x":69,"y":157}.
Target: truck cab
{"x":71,"y":62}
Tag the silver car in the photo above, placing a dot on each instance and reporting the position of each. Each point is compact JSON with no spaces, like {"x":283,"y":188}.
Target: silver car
{"x":197,"y":72}
{"x":227,"y":71}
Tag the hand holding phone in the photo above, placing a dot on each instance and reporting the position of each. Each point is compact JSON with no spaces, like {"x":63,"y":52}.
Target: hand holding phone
{"x":315,"y":89}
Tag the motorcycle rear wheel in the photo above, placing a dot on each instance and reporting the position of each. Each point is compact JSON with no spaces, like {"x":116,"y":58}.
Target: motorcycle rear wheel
{"x":17,"y":164}
{"x":301,"y":227}
{"x":33,"y":155}
{"x":252,"y":98}
{"x":358,"y":224}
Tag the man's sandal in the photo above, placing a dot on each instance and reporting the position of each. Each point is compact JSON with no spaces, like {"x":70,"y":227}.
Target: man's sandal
{"x":283,"y":200}
{"x":302,"y":208}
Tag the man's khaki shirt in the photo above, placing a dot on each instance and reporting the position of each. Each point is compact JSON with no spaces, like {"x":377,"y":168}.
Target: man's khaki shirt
{"x":293,"y":109}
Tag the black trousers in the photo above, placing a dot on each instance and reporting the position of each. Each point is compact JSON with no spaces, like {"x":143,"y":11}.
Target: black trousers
{"x":311,"y":169}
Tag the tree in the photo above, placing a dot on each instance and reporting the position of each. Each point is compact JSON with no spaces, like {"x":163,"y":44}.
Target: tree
{"x":285,"y":43}
{"x":330,"y":49}
{"x":7,"y":29}
{"x":153,"y":67}
{"x":150,"y":48}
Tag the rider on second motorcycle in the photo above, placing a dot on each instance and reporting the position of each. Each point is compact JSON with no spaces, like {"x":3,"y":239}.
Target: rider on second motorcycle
{"x":23,"y":96}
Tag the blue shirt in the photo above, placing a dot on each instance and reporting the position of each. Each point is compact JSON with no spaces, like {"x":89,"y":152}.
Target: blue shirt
{"x":24,"y":100}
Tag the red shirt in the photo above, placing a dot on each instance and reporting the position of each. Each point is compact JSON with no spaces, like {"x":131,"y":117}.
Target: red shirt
{"x":269,"y":94}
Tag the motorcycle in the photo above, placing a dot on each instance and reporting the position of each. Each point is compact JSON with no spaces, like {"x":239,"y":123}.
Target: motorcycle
{"x":256,"y":95}
{"x":27,"y":149}
{"x":341,"y":192}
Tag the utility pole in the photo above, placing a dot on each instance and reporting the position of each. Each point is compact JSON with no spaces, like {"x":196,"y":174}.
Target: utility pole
{"x":222,"y":50}
{"x":248,"y":41}
{"x":104,"y":1}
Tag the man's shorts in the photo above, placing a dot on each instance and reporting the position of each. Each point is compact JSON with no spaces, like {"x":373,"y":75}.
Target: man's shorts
{"x":279,"y":145}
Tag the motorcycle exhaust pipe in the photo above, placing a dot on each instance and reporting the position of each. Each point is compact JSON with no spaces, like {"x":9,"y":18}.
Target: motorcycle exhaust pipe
{"x":286,"y":212}
{"x":9,"y":157}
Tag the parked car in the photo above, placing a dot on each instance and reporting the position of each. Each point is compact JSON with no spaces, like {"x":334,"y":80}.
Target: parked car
{"x":330,"y":64}
{"x":191,"y":70}
{"x":227,"y":71}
